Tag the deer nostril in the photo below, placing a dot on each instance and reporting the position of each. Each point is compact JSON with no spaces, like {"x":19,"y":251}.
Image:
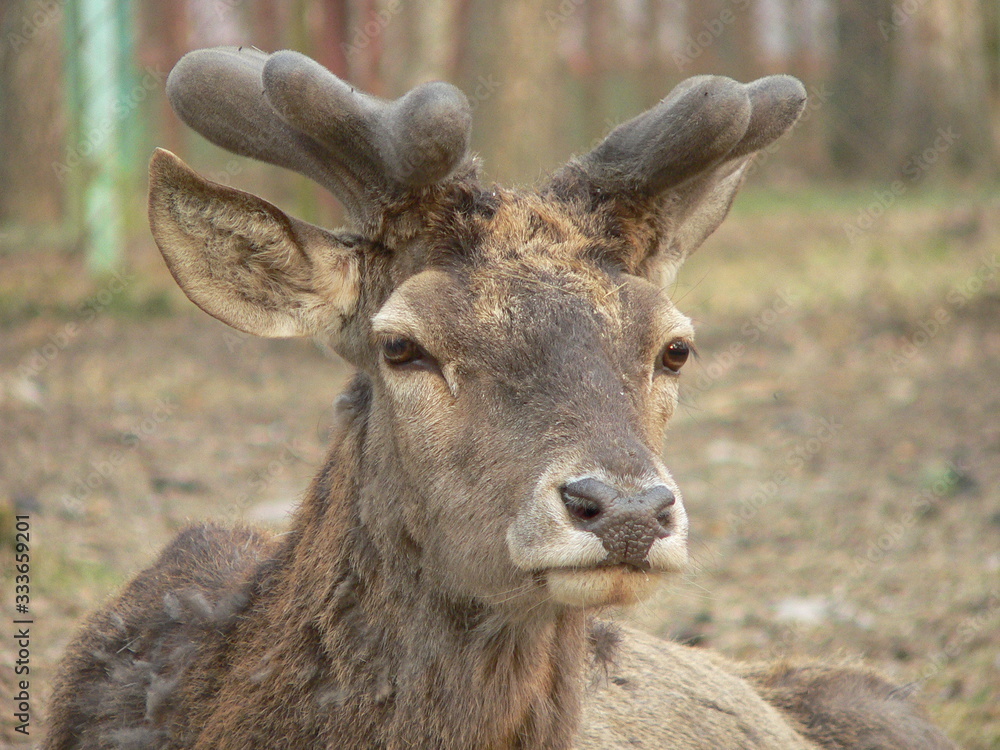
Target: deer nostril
{"x":582,"y":508}
{"x":587,"y":499}
{"x":660,"y":500}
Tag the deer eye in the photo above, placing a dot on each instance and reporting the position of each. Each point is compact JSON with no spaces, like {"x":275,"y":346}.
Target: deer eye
{"x":675,"y":355}
{"x":399,"y":351}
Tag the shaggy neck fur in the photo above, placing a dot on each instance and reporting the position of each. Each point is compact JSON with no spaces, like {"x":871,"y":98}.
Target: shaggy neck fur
{"x":348,"y":643}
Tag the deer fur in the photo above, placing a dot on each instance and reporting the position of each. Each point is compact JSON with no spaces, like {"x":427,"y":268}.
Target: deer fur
{"x":494,"y":479}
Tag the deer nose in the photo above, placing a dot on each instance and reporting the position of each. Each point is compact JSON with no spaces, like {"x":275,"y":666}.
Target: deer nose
{"x":627,"y":525}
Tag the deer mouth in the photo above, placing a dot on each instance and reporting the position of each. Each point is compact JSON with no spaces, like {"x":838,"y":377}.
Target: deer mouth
{"x":610,"y":583}
{"x":601,"y":586}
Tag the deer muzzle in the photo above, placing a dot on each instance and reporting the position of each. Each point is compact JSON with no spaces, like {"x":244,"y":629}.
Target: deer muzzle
{"x":628,"y":524}
{"x":596,"y":541}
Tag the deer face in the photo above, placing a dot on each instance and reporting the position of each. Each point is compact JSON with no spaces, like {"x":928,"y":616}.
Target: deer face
{"x":523,"y":357}
{"x":525,"y":386}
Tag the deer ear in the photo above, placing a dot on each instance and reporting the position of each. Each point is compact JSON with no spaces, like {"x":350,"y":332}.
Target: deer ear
{"x":691,"y":213}
{"x":243,"y":261}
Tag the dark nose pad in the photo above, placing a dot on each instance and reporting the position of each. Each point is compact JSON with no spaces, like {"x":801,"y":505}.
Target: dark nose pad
{"x":627,"y":525}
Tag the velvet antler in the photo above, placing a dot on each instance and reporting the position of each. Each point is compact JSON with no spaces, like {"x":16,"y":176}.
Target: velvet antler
{"x":683,"y":160}
{"x":288,"y":110}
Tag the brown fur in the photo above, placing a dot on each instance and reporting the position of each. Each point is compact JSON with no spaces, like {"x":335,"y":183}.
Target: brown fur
{"x":434,"y":589}
{"x":846,"y":707}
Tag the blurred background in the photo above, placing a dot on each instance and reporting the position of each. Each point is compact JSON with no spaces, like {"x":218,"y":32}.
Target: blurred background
{"x":838,"y":441}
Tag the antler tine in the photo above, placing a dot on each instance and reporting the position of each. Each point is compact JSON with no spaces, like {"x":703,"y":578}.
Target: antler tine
{"x":777,"y":103}
{"x":698,"y":123}
{"x":288,"y":110}
{"x":416,"y":140}
{"x":703,"y":122}
{"x":218,"y":93}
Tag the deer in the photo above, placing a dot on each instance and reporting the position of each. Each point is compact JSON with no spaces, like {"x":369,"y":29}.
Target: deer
{"x":494,"y":482}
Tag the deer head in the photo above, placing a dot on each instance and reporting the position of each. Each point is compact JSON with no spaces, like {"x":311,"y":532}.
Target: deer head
{"x":519,"y":352}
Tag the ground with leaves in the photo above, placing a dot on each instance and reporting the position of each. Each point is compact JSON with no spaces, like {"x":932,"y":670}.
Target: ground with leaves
{"x":838,"y":444}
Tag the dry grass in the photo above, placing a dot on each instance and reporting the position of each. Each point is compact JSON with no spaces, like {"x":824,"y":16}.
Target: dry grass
{"x":796,"y":326}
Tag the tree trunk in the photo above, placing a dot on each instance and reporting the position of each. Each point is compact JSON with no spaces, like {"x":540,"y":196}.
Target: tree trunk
{"x":861,"y":83}
{"x":945,"y":89}
{"x":519,"y":104}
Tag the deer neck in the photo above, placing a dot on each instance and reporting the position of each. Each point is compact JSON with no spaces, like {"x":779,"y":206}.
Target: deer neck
{"x":413,"y":665}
